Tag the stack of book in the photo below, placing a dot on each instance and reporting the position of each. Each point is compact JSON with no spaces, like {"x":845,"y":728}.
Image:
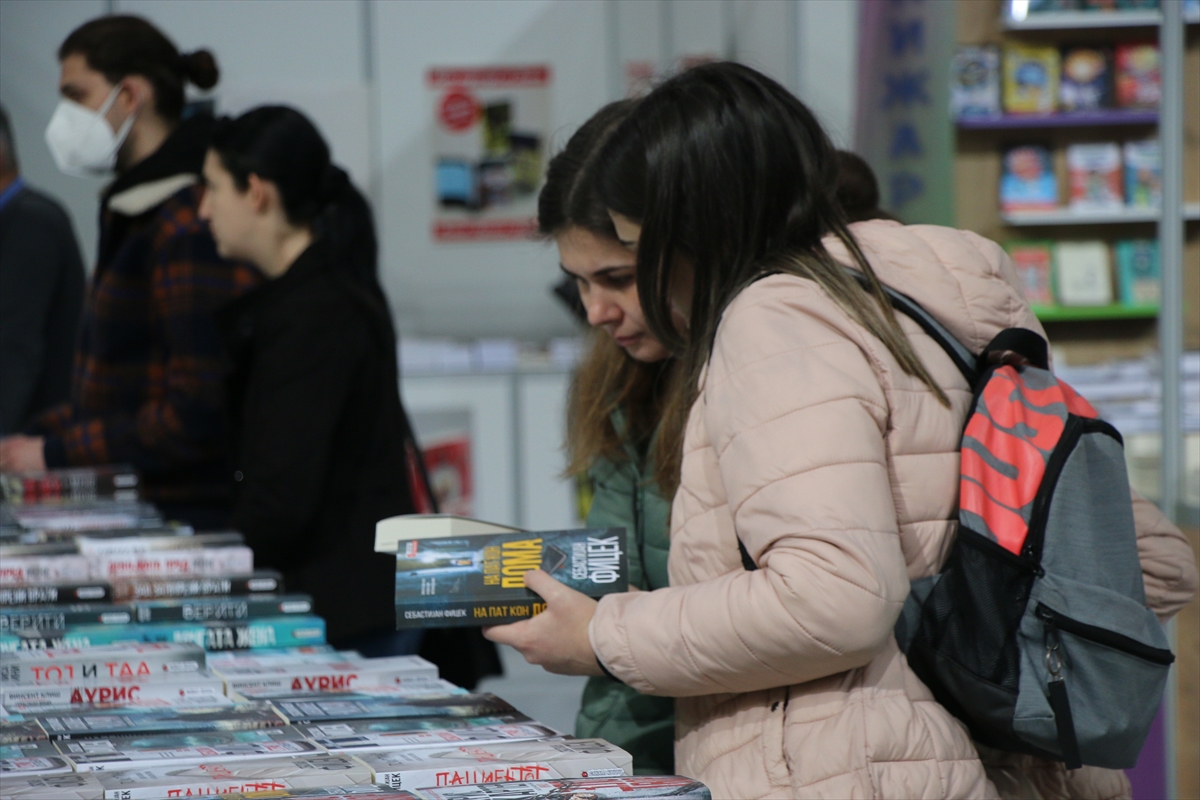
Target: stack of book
{"x":154,"y":662}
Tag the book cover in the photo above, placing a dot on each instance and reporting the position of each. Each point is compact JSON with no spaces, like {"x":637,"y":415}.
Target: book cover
{"x":1031,"y":75}
{"x":198,"y":562}
{"x":13,"y":731}
{"x":422,"y":688}
{"x":221,"y":609}
{"x":1095,"y":176}
{"x":77,"y":484}
{"x":1143,"y":174}
{"x":269,"y":632}
{"x":479,"y":580}
{"x":975,"y":81}
{"x":531,"y":760}
{"x":138,"y":751}
{"x":330,"y":676}
{"x":1083,"y":273}
{"x":118,"y":661}
{"x":351,"y":706}
{"x":103,"y":723}
{"x":220,"y":778}
{"x":407,"y":735}
{"x":30,"y":758}
{"x":1087,"y":79}
{"x":76,"y":636}
{"x":72,"y":786}
{"x":44,"y":569}
{"x":1034,"y":263}
{"x":264,"y":581}
{"x":58,"y":617}
{"x":1138,"y":80}
{"x":1027,"y":182}
{"x":1138,"y":271}
{"x":54,"y":594}
{"x":393,"y":530}
{"x":197,"y":685}
{"x":643,"y":787}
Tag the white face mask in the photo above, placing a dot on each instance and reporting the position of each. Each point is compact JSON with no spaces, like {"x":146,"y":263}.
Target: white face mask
{"x":81,"y":140}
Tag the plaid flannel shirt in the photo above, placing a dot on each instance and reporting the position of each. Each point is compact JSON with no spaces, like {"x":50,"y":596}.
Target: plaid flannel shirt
{"x":148,"y":373}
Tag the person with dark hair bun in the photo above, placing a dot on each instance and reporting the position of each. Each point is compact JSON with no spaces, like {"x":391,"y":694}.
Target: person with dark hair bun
{"x":320,"y":442}
{"x":146,"y":387}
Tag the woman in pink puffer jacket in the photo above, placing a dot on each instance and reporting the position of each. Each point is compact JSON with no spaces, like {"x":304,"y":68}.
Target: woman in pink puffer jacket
{"x":823,"y":433}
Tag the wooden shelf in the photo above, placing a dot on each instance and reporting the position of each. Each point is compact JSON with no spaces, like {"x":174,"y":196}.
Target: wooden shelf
{"x":1092,"y":313}
{"x":1067,"y":216}
{"x":1075,"y":119}
{"x":1077,"y":20}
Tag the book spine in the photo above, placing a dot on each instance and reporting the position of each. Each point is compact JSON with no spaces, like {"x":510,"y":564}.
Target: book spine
{"x":223,"y":608}
{"x":84,"y":667}
{"x":57,"y":618}
{"x":333,"y":681}
{"x":208,"y":788}
{"x":265,"y":581}
{"x":53,"y":594}
{"x":44,"y":569}
{"x":466,"y":775}
{"x":27,"y":697}
{"x":303,"y":629}
{"x":200,"y":563}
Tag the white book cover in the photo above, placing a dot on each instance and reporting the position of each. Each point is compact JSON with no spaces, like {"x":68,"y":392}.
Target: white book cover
{"x":137,"y":752}
{"x":109,"y":545}
{"x":499,"y":763}
{"x":331,"y":676}
{"x":122,"y":661}
{"x":393,"y":530}
{"x":360,"y":738}
{"x":228,"y":777}
{"x":205,"y":561}
{"x":201,"y":686}
{"x":414,"y":690}
{"x":44,"y":569}
{"x":1084,"y":274}
{"x":30,"y":758}
{"x":67,"y":786}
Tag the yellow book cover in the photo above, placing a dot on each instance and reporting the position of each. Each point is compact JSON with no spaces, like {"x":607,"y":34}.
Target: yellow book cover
{"x":1031,"y":77}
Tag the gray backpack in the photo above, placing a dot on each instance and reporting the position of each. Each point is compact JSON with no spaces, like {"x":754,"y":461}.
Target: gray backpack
{"x":1036,"y":632}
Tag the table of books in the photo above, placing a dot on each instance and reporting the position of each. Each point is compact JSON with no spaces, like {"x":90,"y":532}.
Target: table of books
{"x":143,"y":660}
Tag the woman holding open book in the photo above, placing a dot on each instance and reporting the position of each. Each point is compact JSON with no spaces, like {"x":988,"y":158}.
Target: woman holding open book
{"x":817,"y":461}
{"x":616,"y":403}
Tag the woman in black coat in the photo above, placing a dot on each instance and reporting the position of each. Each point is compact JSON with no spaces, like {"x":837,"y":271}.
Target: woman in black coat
{"x":320,"y":441}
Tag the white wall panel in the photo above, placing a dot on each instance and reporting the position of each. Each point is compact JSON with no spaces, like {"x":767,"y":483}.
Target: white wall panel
{"x":828,"y":53}
{"x":547,"y":499}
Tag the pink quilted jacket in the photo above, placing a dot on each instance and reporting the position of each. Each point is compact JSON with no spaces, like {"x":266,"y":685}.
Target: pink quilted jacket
{"x":840,"y":474}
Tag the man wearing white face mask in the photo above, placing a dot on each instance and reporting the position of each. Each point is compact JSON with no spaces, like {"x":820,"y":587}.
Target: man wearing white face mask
{"x":147,"y":382}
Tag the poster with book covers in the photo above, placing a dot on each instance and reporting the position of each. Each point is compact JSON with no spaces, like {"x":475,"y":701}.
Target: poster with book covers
{"x":490,"y":132}
{"x":1031,"y":77}
{"x":1095,"y":176}
{"x":1034,"y":263}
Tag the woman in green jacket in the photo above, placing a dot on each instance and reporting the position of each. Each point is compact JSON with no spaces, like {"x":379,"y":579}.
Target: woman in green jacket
{"x":615,"y":407}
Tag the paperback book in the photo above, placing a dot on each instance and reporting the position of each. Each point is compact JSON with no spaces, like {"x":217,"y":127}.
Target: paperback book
{"x":1095,"y":176}
{"x":104,"y":723}
{"x":145,"y":588}
{"x":390,"y":532}
{"x":531,"y":760}
{"x":1028,"y":182}
{"x":1143,"y":174}
{"x":1087,"y":79}
{"x":1034,"y":263}
{"x":79,"y":484}
{"x":177,"y":749}
{"x":66,"y":786}
{"x":1031,"y":76}
{"x":1138,"y":272}
{"x":347,"y":706}
{"x":1083,"y":273}
{"x":54,"y":594}
{"x":1138,"y":80}
{"x":120,"y":542}
{"x":30,"y":758}
{"x":423,"y":689}
{"x":221,"y":609}
{"x":330,"y":676}
{"x":643,"y":787}
{"x":220,"y":778}
{"x":198,"y":562}
{"x":15,"y":731}
{"x":58,"y":617}
{"x":190,"y":686}
{"x":975,"y":81}
{"x":100,"y":663}
{"x":366,"y":736}
{"x":479,"y":580}
{"x":269,"y":632}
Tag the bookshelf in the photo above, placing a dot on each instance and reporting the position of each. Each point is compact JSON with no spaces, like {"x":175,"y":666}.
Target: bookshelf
{"x":1068,"y":216}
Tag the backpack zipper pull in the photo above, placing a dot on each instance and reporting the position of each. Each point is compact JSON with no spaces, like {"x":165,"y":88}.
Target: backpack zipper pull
{"x":1060,"y":704}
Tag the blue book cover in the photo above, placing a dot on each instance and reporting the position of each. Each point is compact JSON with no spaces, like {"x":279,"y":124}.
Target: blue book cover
{"x":1028,"y":182}
{"x":1138,"y":272}
{"x":479,"y":580}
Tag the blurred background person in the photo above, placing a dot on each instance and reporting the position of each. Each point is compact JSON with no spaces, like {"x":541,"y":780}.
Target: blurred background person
{"x":319,"y":439}
{"x":41,"y":293}
{"x":146,"y":388}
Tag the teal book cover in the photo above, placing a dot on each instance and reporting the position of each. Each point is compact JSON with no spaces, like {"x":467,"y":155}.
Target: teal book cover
{"x":479,"y":580}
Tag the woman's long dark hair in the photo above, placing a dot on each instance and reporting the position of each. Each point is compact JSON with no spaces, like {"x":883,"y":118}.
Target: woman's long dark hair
{"x":118,"y":46}
{"x":281,"y":145}
{"x":729,"y":172}
{"x":608,"y":378}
